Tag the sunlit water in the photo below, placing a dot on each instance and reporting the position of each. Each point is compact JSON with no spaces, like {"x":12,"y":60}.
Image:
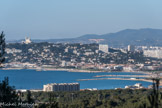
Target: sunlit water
{"x":31,"y":79}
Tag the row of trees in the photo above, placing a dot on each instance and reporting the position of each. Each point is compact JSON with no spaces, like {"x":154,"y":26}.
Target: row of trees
{"x":98,"y":99}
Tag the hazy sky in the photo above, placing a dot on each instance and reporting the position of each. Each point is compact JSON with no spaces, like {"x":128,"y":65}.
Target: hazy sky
{"x":46,"y":19}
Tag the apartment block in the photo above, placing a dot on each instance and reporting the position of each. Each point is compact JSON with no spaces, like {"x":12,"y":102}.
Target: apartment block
{"x":62,"y":87}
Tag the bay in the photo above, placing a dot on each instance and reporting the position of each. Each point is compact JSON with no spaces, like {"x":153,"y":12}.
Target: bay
{"x":32,"y":79}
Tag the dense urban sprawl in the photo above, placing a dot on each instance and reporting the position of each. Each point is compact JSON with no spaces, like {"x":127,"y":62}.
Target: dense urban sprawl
{"x":82,"y":56}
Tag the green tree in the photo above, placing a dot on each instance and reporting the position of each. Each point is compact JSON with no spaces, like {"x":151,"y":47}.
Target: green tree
{"x":7,"y":93}
{"x":2,"y":48}
{"x":154,"y":98}
{"x":28,"y":97}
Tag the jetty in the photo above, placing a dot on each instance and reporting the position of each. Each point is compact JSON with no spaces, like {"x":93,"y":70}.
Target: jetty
{"x":144,"y":76}
{"x":132,"y":79}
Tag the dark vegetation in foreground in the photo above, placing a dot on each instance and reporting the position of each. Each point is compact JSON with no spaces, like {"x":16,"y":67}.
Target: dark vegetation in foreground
{"x":95,"y":99}
{"x":125,"y":98}
{"x":121,"y":98}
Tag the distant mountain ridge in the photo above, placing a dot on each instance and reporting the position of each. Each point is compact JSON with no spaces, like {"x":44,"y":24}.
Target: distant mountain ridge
{"x":146,"y":36}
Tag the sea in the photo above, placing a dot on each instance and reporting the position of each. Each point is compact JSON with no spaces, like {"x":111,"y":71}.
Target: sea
{"x":32,"y":79}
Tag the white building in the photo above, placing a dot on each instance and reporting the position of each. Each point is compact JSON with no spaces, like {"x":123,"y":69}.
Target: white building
{"x":75,"y":51}
{"x":27,"y":40}
{"x":138,"y":85}
{"x":62,"y":87}
{"x":153,"y":53}
{"x":104,"y":48}
{"x":63,"y":63}
{"x":66,"y":50}
{"x":13,"y":50}
{"x":131,"y":48}
{"x":135,"y":86}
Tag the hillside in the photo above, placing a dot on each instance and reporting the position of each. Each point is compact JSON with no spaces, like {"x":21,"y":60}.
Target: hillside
{"x":147,"y":36}
{"x":129,"y":36}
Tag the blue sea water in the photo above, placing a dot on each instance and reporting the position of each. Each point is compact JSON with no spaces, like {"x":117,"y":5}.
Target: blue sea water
{"x":32,"y":79}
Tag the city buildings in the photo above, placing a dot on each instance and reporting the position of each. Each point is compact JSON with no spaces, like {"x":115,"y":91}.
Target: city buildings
{"x":135,"y":86}
{"x":62,"y":87}
{"x":153,"y":53}
{"x":81,"y":56}
{"x":104,"y":48}
{"x":131,"y":48}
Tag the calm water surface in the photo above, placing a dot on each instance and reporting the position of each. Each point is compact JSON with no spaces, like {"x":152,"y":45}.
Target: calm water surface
{"x":31,"y":79}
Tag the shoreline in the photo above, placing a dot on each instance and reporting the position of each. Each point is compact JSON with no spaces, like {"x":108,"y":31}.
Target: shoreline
{"x":97,"y":77}
{"x":75,"y":70}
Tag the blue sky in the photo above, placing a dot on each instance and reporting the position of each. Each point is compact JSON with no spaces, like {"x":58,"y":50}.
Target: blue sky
{"x":51,"y":19}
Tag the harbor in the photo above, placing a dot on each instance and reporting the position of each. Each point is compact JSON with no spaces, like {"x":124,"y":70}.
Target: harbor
{"x":32,"y":79}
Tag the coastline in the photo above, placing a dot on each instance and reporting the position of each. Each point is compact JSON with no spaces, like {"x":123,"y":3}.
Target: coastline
{"x":98,"y":77}
{"x":74,"y":70}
